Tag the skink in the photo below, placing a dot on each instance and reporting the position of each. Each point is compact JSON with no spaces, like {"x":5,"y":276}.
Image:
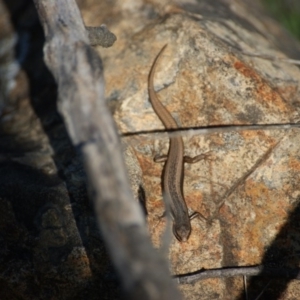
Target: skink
{"x":173,"y":169}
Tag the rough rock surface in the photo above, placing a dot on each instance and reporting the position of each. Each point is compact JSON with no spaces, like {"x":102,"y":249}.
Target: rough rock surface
{"x":248,"y":190}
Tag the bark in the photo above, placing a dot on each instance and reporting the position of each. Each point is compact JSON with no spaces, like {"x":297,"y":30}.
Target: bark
{"x":78,"y":72}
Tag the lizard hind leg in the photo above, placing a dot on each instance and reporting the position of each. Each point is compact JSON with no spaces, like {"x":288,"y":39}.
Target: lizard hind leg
{"x":192,"y":160}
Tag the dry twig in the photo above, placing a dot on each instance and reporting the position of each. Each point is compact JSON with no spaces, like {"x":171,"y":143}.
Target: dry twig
{"x":259,"y":270}
{"x":78,"y":73}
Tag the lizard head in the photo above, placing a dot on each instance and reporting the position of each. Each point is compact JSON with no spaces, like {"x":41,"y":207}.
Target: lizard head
{"x":182,"y":231}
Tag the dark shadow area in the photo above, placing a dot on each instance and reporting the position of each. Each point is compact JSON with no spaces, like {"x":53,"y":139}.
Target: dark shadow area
{"x":283,"y":252}
{"x":34,"y":188}
{"x":142,"y":200}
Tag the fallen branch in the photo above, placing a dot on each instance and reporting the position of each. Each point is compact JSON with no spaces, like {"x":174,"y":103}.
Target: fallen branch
{"x":259,"y":270}
{"x":78,"y":72}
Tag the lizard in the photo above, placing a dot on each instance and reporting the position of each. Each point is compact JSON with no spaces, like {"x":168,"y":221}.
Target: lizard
{"x":172,"y":180}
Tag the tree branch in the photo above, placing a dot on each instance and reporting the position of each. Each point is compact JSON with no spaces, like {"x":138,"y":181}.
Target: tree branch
{"x":259,"y":270}
{"x":78,"y":73}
